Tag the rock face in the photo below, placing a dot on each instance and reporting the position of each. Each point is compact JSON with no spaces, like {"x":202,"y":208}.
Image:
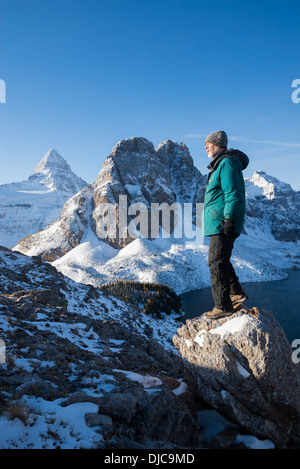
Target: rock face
{"x":54,"y":172}
{"x":243,"y":368}
{"x":63,"y":234}
{"x":29,"y":206}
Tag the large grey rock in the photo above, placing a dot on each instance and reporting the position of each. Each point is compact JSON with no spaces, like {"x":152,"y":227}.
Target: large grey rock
{"x":121,"y":407}
{"x":243,"y":368}
{"x":163,"y":416}
{"x":94,"y":420}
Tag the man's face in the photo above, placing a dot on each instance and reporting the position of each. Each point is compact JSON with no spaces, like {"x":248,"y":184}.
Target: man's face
{"x":212,"y":149}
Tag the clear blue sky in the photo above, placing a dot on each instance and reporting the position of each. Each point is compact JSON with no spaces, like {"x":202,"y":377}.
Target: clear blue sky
{"x":83,"y":74}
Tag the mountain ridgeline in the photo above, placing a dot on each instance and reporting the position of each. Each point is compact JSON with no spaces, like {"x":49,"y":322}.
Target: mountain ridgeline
{"x":166,"y":175}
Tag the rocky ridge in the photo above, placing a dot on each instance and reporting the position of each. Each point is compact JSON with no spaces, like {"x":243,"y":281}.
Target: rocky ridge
{"x":81,"y":369}
{"x":68,"y":343}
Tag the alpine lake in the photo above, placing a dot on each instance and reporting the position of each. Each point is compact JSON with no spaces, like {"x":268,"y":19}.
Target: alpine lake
{"x":281,"y":297}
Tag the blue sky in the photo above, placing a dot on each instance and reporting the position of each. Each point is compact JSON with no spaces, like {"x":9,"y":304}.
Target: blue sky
{"x":83,"y":74}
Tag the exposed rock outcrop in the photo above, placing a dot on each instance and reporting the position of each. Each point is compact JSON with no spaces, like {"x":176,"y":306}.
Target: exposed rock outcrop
{"x":243,"y":367}
{"x":63,"y":234}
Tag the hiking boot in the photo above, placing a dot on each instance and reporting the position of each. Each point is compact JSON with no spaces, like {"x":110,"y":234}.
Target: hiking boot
{"x":235,"y":299}
{"x":217,"y":313}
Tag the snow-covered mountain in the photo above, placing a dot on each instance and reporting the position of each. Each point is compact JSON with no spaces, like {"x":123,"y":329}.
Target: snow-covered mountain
{"x":262,"y":184}
{"x":272,"y":205}
{"x":269,"y":244}
{"x":29,"y":206}
{"x":134,"y":170}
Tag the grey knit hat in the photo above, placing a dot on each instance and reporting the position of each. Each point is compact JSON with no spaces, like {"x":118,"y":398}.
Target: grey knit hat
{"x":218,"y":137}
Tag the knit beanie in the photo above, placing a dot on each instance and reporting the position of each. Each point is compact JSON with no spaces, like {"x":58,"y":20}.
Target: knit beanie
{"x":218,"y":137}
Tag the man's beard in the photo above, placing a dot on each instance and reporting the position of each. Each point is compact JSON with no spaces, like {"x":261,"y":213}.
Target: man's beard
{"x":214,"y":153}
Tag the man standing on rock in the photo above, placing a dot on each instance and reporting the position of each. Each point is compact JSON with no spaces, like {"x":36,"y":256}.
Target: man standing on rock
{"x":224,"y":213}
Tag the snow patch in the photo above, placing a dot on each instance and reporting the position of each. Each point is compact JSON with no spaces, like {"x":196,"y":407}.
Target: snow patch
{"x":242,"y":371}
{"x":199,"y":339}
{"x":146,"y":380}
{"x":232,"y":326}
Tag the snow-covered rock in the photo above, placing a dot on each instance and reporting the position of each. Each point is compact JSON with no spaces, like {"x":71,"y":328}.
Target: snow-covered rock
{"x":272,"y":207}
{"x":243,"y":368}
{"x":63,"y":347}
{"x":262,"y":184}
{"x":29,"y":206}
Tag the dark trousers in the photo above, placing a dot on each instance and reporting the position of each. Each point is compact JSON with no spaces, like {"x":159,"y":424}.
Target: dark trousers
{"x":224,"y":281}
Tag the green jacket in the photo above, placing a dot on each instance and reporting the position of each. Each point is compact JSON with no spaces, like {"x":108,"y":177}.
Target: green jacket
{"x":225,"y":192}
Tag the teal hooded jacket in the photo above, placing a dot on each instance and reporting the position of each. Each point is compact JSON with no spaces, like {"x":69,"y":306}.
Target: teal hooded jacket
{"x":225,"y":192}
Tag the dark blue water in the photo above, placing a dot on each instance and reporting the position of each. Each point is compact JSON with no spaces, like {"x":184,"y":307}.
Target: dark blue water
{"x":282,"y":297}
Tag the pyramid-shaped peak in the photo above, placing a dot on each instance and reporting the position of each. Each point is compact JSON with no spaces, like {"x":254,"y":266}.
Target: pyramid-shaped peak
{"x":54,"y":172}
{"x":52,"y":159}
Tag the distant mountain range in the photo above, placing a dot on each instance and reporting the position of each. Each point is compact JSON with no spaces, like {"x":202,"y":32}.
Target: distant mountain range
{"x":81,"y":243}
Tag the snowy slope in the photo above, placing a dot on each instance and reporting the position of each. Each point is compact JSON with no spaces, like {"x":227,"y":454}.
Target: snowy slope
{"x":183,"y":267}
{"x":29,"y":206}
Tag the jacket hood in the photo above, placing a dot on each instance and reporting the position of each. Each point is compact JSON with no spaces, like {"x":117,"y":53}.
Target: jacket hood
{"x":241,"y":156}
{"x":229,"y":154}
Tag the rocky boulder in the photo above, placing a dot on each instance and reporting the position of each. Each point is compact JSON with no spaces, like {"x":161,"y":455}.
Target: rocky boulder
{"x":243,"y":368}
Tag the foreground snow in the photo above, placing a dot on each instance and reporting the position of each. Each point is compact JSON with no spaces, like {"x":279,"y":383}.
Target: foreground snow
{"x":51,"y":426}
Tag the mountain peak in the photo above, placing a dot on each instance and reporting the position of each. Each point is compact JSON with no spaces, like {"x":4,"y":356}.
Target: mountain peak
{"x":266,"y":185}
{"x":52,"y":159}
{"x":54,"y":172}
{"x":132,"y":145}
{"x":171,"y":145}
